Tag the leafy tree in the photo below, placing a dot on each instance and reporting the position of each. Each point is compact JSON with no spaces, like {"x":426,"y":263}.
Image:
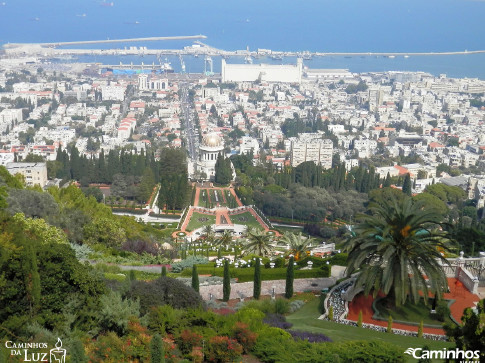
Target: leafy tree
{"x":226,"y":282}
{"x":157,"y":354}
{"x":32,"y":204}
{"x":115,"y":312}
{"x":470,"y":335}
{"x":164,"y":291}
{"x":395,"y":247}
{"x":257,"y":279}
{"x":107,"y":231}
{"x":195,"y":278}
{"x":290,"y":276}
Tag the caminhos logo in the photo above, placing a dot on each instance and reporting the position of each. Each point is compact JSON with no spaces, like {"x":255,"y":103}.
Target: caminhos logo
{"x":462,"y":356}
{"x":36,"y":352}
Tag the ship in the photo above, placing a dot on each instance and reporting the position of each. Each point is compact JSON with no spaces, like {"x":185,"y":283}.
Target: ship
{"x":248,"y":59}
{"x":166,"y":67}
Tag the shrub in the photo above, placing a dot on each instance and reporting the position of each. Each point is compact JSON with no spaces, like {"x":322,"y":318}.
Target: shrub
{"x":296,"y":305}
{"x":281,"y":306}
{"x":164,"y":291}
{"x":164,"y":319}
{"x":321,"y":303}
{"x":157,"y":354}
{"x":442,"y":311}
{"x":359,"y":320}
{"x":330,"y":313}
{"x":223,"y":349}
{"x":389,"y":324}
{"x":188,"y":263}
{"x":140,"y":246}
{"x":250,"y":316}
{"x":188,"y":340}
{"x":420,"y":329}
{"x":309,"y":337}
{"x":339,"y":259}
{"x":78,"y":354}
{"x":244,"y":336}
{"x":277,"y":321}
{"x":115,"y":312}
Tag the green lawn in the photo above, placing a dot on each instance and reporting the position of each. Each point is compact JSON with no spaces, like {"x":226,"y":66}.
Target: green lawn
{"x":306,"y":319}
{"x":199,"y":220}
{"x":410,"y":313}
{"x":289,"y":229}
{"x":245,"y":218}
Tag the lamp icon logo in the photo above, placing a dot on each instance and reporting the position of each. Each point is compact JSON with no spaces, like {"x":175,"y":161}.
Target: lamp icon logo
{"x":410,"y":351}
{"x":58,"y":354}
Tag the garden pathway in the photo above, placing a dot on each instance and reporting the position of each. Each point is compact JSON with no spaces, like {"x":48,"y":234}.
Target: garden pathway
{"x":222,"y":212}
{"x":245,"y":289}
{"x":463,"y":299}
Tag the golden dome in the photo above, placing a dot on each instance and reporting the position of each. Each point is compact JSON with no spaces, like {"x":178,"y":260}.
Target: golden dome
{"x":211,"y":140}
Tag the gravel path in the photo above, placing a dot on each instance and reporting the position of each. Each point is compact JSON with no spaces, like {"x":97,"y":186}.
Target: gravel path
{"x":245,"y":289}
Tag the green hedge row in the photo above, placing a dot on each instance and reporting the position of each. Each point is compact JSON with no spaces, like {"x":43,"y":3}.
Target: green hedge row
{"x":247,"y":274}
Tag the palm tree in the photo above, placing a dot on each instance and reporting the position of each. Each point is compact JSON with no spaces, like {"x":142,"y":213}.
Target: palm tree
{"x":209,"y":234}
{"x":398,"y":250}
{"x":297,"y":243}
{"x":224,"y":239}
{"x":258,"y":242}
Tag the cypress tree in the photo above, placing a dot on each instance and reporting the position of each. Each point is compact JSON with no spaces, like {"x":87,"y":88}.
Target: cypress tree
{"x":359,"y":320}
{"x":257,"y":279}
{"x":164,"y":271}
{"x":157,"y":353}
{"x":226,"y":284}
{"x":406,"y":186}
{"x":290,"y":276}
{"x":132,"y":275}
{"x":389,"y":325}
{"x":195,"y":278}
{"x":387,"y":181}
{"x":78,"y":354}
{"x":32,"y":278}
{"x":420,"y":329}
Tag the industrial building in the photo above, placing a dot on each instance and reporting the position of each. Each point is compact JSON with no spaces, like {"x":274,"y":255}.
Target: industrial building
{"x":263,"y":72}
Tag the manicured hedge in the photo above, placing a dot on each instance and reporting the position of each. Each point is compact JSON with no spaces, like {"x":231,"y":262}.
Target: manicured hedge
{"x":129,"y":210}
{"x":247,"y":274}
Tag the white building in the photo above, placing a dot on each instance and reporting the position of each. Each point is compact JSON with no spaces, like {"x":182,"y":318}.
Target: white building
{"x":113,"y":93}
{"x":319,"y":151}
{"x":210,"y":148}
{"x":262,"y":72}
{"x":151,"y":84}
{"x":34,"y":173}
